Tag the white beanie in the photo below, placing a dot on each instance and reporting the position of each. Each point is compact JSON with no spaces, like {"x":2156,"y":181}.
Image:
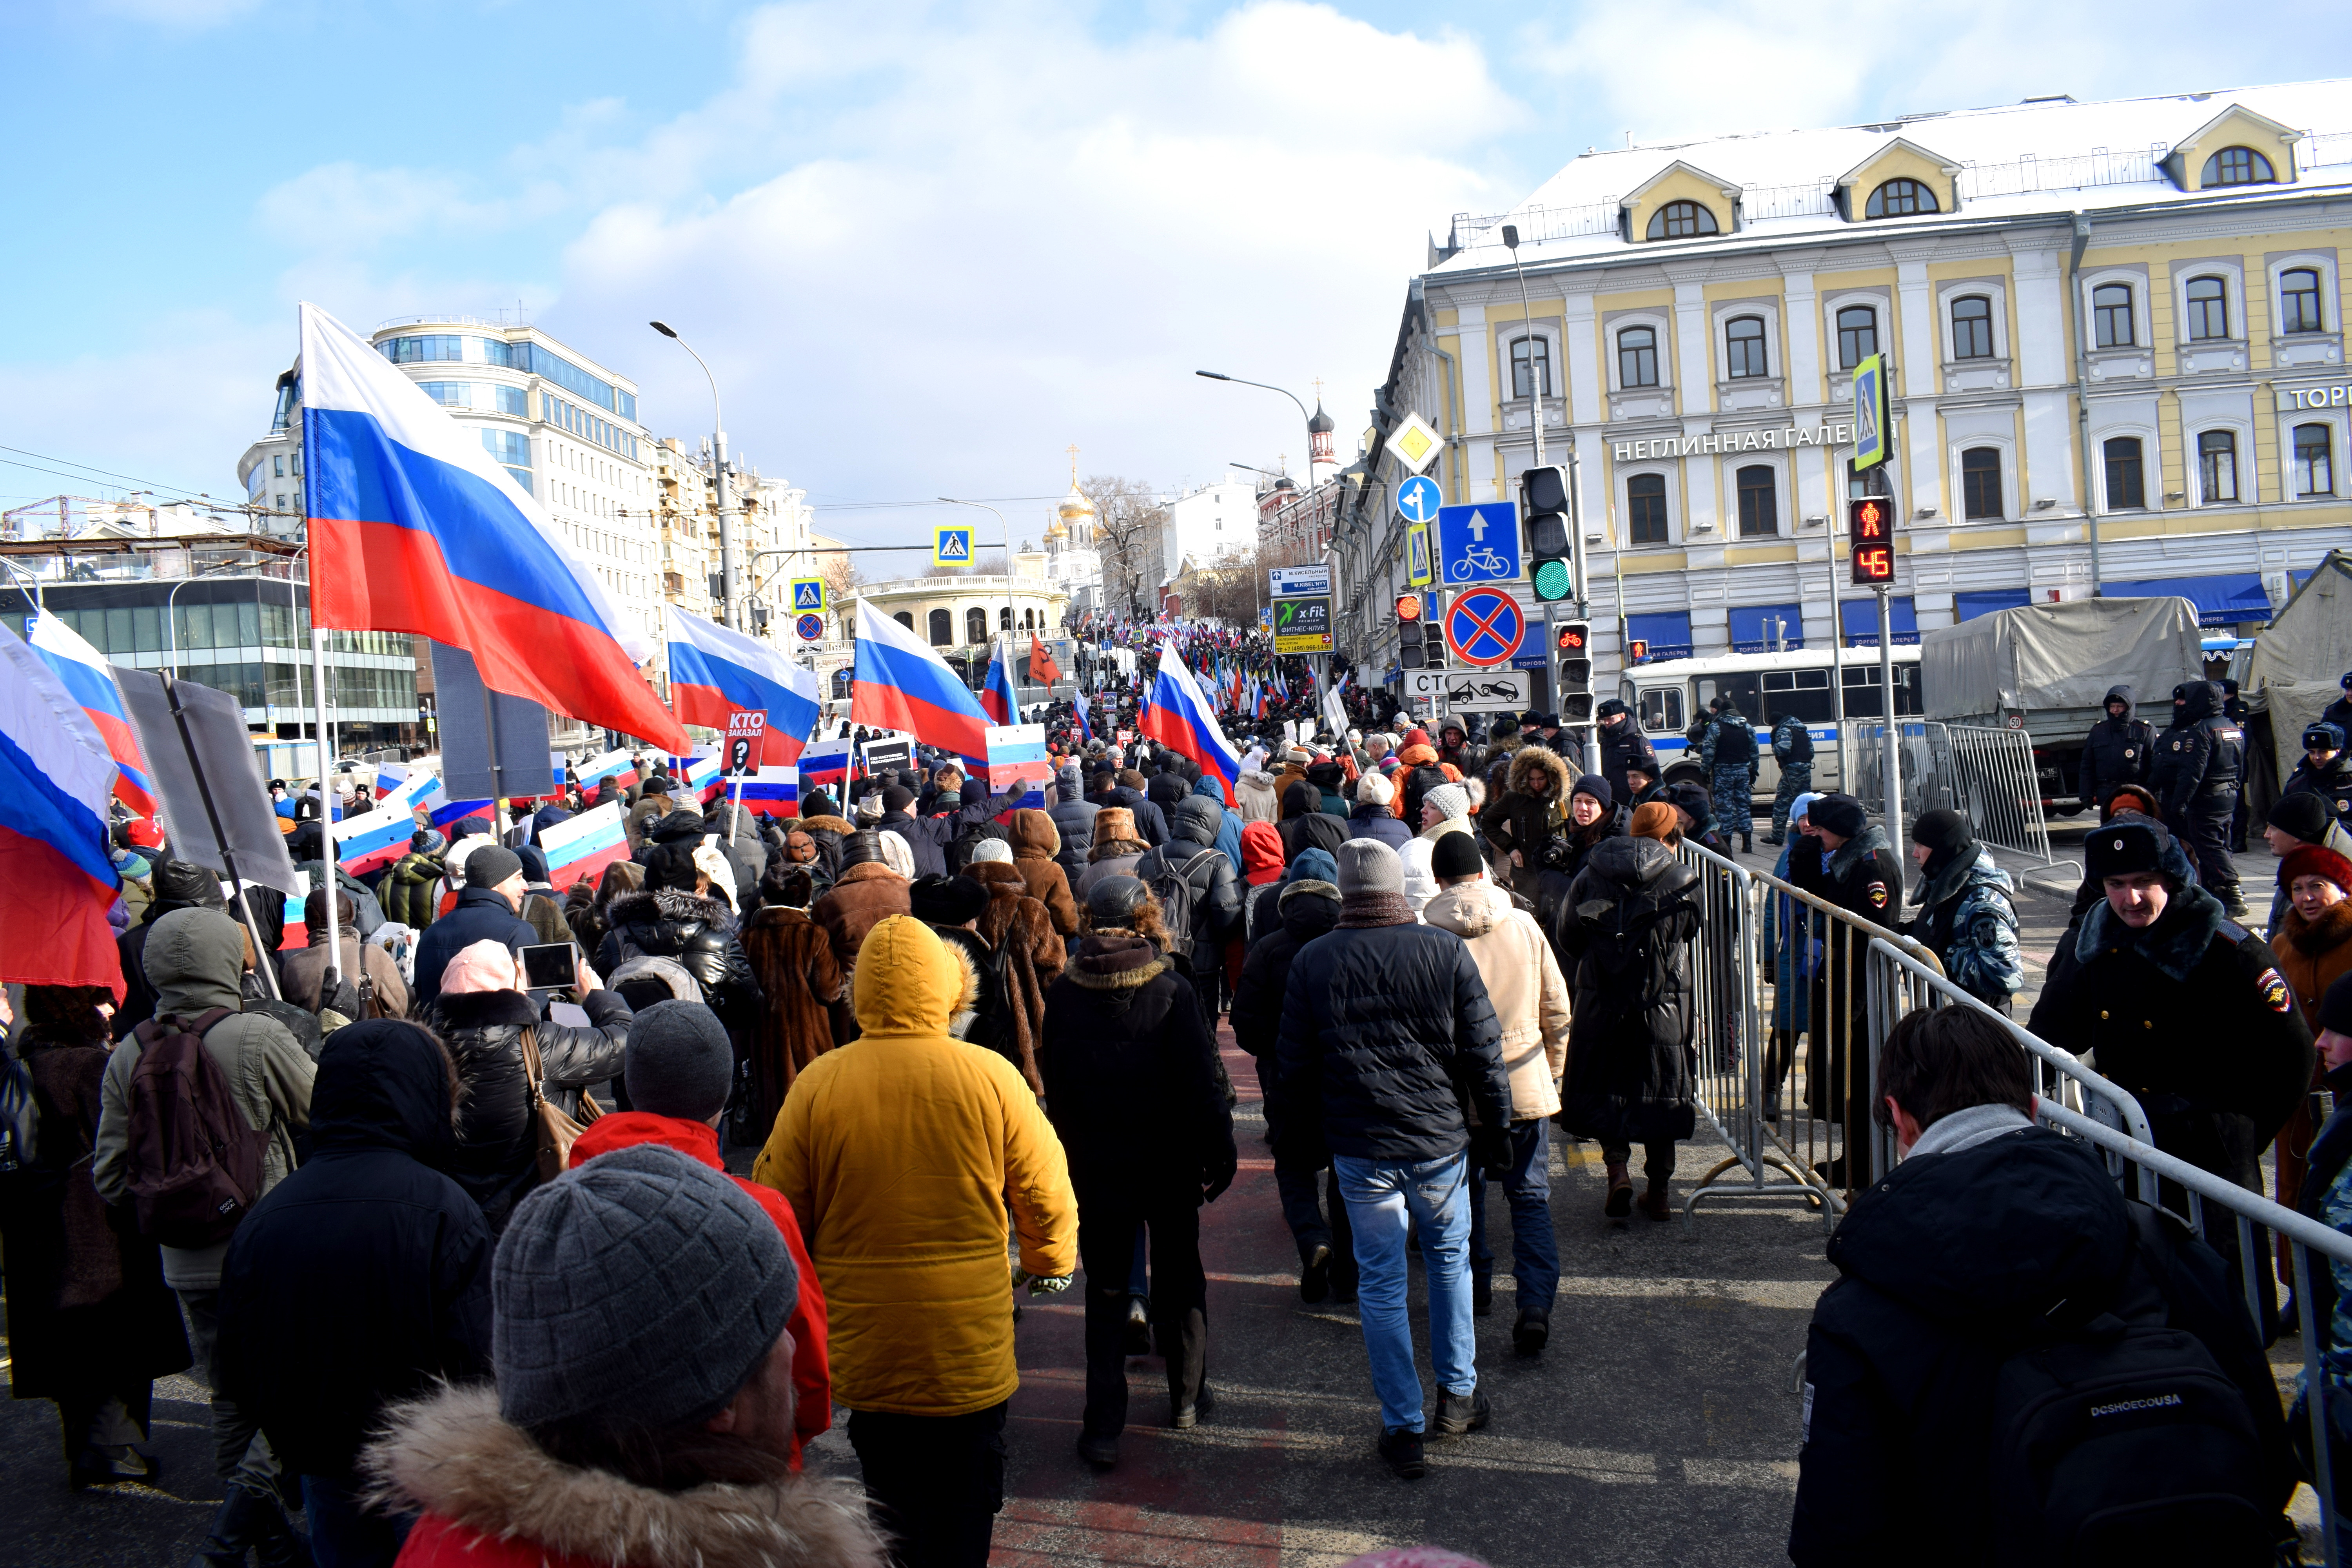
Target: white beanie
{"x":1373,"y":790}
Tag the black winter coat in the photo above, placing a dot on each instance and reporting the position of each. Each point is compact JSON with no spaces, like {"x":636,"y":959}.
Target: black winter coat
{"x":480,"y":914}
{"x":2199,"y":759}
{"x":1150,"y":822}
{"x":2333,"y":783}
{"x":1620,"y":748}
{"x":1305,"y":826}
{"x":1216,"y":892}
{"x":2192,"y":1015}
{"x":496,"y":1156}
{"x":2116,"y":752}
{"x":131,"y":952}
{"x":1133,"y":1081}
{"x":1075,"y":821}
{"x":698,"y":932}
{"x":926,"y":839}
{"x":1938,"y":1260}
{"x":1627,"y":929}
{"x":1386,"y":1033}
{"x":1266,"y":972}
{"x":364,"y":1276}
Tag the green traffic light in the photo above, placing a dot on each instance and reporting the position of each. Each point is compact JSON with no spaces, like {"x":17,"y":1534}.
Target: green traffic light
{"x":1551,"y":581}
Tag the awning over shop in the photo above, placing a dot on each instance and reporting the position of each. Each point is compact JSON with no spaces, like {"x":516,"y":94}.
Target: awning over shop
{"x":1667,"y":633}
{"x":1858,"y":619}
{"x":1767,"y":628}
{"x":2224,"y":599}
{"x":1974,"y":602}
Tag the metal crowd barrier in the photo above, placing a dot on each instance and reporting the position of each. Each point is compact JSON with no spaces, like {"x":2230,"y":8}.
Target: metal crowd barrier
{"x":1986,"y":775}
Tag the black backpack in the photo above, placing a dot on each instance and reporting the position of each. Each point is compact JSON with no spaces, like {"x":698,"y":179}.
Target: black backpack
{"x":2118,"y":1438}
{"x":19,"y":1114}
{"x":1800,"y":745}
{"x":1172,"y":886}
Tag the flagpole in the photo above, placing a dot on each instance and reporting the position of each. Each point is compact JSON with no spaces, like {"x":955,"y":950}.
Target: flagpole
{"x":326,"y":801}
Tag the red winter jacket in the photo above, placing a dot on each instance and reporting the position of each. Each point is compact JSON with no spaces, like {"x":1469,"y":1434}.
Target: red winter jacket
{"x":811,"y":1370}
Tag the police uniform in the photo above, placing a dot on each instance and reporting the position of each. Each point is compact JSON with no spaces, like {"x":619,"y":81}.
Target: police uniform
{"x":2333,"y":781}
{"x":1622,"y":744}
{"x":1793,"y":748}
{"x":1729,"y":755}
{"x":2116,"y":752}
{"x":2198,"y":763}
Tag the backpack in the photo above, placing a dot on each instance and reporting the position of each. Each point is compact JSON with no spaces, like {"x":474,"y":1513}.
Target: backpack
{"x":1800,"y":745}
{"x":194,"y":1165}
{"x":2119,"y":1438}
{"x":1172,"y":886}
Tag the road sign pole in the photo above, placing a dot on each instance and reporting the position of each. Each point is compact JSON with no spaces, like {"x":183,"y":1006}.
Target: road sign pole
{"x":1893,"y":723}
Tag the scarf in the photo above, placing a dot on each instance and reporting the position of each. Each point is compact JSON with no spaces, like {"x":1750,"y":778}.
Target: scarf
{"x":1363,"y":911}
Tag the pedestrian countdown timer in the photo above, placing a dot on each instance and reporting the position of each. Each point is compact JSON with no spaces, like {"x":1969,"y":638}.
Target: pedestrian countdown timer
{"x":1870,"y":535}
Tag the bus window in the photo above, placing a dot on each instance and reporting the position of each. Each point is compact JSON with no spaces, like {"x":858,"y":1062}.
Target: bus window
{"x":1862,"y":691}
{"x":1907,"y":698}
{"x":1804,"y":693}
{"x":1662,"y":710}
{"x":1741,"y":685}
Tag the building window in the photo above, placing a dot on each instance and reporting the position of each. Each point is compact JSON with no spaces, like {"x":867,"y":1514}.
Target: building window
{"x":2237,"y":167}
{"x":1637,"y":357}
{"x":2314,"y":471}
{"x":2217,"y":465}
{"x":942,"y":628}
{"x":2299,"y":302}
{"x":1981,"y":482}
{"x":975,"y":626}
{"x":1857,"y":330}
{"x":1645,"y":509}
{"x":1530,"y":366}
{"x":1900,"y":198}
{"x":1743,"y":342}
{"x":514,"y":400}
{"x":905,"y":618}
{"x":1681,"y":220}
{"x":2209,"y":308}
{"x":1758,"y":513}
{"x":1004,"y":618}
{"x":2111,"y":315}
{"x":2126,"y":475}
{"x":1972,"y":327}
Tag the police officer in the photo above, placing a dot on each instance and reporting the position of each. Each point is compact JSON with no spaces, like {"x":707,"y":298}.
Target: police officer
{"x":2116,"y":752}
{"x":2339,"y":713}
{"x":2326,"y":770}
{"x":1622,"y":744}
{"x":1793,"y":748}
{"x":2199,"y":763}
{"x":1728,"y":753}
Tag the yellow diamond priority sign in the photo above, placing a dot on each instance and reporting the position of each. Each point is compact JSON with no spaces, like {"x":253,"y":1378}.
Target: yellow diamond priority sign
{"x":1415,"y":442}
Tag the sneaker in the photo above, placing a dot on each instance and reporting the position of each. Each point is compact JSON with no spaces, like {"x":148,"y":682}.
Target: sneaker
{"x":1401,"y":1448}
{"x":1101,"y":1452}
{"x":1461,"y":1412}
{"x":1315,"y":1275}
{"x":1530,"y":1333}
{"x":1184,"y":1417}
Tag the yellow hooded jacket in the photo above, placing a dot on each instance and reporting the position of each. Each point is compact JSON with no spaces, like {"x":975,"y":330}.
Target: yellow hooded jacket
{"x":900,"y":1153}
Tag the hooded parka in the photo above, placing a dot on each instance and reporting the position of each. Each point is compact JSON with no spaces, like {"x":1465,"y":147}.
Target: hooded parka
{"x":1035,"y":843}
{"x":1630,"y":917}
{"x":1533,"y":807}
{"x":2116,"y":752}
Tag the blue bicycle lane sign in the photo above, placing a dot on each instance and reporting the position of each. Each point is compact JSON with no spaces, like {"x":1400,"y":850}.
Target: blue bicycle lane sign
{"x":1478,"y":543}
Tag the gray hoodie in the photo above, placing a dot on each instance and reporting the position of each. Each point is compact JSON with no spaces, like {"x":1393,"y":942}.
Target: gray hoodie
{"x":194,"y":960}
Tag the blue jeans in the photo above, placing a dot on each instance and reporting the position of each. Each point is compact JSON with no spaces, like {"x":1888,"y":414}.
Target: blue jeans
{"x":341,"y":1536}
{"x":1385,"y":1198}
{"x":1535,"y":1253}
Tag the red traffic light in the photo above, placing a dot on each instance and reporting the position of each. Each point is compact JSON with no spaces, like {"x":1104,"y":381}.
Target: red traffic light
{"x":1867,"y":519}
{"x":1638,"y":650}
{"x":1408,"y":606}
{"x":1574,"y":636}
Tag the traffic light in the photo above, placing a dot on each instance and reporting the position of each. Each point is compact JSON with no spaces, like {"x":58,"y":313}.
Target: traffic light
{"x":1637,"y":651}
{"x":1572,"y":643}
{"x":1870,"y":535}
{"x":1409,"y":638}
{"x":1543,"y":501}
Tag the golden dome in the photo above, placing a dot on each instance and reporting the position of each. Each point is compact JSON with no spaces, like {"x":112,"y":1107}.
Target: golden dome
{"x":1075,"y":505}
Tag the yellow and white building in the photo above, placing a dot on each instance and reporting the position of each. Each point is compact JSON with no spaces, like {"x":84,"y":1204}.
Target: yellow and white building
{"x":2119,"y":322}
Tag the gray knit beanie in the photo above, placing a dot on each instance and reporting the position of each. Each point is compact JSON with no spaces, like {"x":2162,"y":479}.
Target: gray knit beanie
{"x":644,"y":1288}
{"x":1368,"y":865}
{"x":678,"y":1061}
{"x":1453,"y":802}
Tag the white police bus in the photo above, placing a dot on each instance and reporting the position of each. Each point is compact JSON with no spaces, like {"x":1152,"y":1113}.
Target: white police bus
{"x":1669,"y":696}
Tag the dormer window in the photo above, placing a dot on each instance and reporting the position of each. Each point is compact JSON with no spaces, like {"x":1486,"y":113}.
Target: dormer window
{"x":2237,"y":167}
{"x":1681,"y":220}
{"x":1900,"y":198}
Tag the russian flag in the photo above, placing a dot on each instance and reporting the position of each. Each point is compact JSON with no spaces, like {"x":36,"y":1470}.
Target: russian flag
{"x":614,"y":765}
{"x":901,"y":684}
{"x":1177,"y":716}
{"x":55,"y":859}
{"x":377,"y":838}
{"x":996,"y":695}
{"x":714,"y":672}
{"x":1016,"y":755}
{"x":696,"y":777}
{"x":416,"y":528}
{"x":825,"y":763}
{"x":82,"y":670}
{"x":775,"y":792}
{"x":583,"y":845}
{"x":1078,"y":710}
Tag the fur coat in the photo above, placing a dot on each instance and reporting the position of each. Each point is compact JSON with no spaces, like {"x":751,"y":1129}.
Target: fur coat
{"x":1036,"y":846}
{"x":792,"y":957}
{"x":1017,"y":927}
{"x":1533,"y":805}
{"x":491,"y":1498}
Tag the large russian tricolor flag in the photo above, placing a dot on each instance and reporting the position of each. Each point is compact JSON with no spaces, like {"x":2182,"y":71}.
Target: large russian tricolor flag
{"x":902,"y":685}
{"x":583,"y":845}
{"x":996,"y":695}
{"x":714,"y":672}
{"x":416,"y":528}
{"x":1177,"y":715}
{"x":825,"y":764}
{"x":82,"y":670}
{"x":55,"y":857}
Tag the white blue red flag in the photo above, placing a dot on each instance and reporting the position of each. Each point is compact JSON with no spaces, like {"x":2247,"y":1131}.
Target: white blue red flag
{"x":996,"y":695}
{"x":56,"y":860}
{"x":583,"y":845}
{"x":416,"y":528}
{"x":714,"y":672}
{"x":1079,"y":710}
{"x":1178,"y":717}
{"x":82,"y":670}
{"x":771,"y":792}
{"x":375,"y":838}
{"x":901,"y":684}
{"x":825,"y":763}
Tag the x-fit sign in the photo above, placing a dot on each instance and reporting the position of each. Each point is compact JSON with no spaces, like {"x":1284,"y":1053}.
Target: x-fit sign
{"x":1485,"y":626}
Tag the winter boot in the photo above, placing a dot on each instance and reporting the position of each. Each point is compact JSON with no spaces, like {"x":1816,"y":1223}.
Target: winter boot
{"x":1658,"y":1203}
{"x":280,"y":1545}
{"x":1315,"y":1274}
{"x":1748,"y":844}
{"x":1482,"y":1293}
{"x":1529,"y":1334}
{"x":1620,"y":1192}
{"x":1459,"y":1413}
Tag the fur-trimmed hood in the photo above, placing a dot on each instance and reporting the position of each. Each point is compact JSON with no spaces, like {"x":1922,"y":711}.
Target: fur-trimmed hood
{"x":648,"y":907}
{"x":1116,"y":960}
{"x":1540,"y":774}
{"x":2331,"y":931}
{"x":452,"y":1456}
{"x":840,"y":825}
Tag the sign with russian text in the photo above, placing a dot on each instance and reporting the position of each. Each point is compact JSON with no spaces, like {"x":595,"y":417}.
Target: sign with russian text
{"x":1834,"y":433}
{"x":744,"y":729}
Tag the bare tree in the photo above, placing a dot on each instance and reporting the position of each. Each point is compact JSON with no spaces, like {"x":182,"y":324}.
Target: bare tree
{"x":1228,"y":588}
{"x":1129,"y":518}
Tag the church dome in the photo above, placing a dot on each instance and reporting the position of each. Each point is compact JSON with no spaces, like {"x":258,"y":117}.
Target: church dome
{"x":1075,"y":505}
{"x":1321,"y":424}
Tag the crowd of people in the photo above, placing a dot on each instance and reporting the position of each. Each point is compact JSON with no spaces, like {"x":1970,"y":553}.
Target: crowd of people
{"x":453,"y":1243}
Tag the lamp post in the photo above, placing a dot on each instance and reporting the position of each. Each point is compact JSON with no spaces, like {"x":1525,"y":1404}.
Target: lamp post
{"x":1305,"y":419}
{"x":727,"y":612}
{"x":1527,"y":324}
{"x":1011,"y":613}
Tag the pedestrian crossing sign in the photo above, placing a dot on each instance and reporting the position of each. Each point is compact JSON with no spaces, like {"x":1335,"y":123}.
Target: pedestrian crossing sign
{"x":951,"y":546}
{"x":808,"y":593}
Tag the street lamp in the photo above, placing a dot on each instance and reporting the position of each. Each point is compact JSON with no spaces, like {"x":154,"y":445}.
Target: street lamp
{"x":1304,"y":417}
{"x":727,"y":611}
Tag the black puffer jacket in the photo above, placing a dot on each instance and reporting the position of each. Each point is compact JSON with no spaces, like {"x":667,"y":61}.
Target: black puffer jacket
{"x":1304,"y":824}
{"x":1939,"y":1262}
{"x":364,"y":1276}
{"x":1622,"y":746}
{"x":1564,"y":857}
{"x":1627,"y":928}
{"x":698,"y":932}
{"x":1150,"y":822}
{"x":1216,"y":892}
{"x":1265,"y":973}
{"x":1386,"y":1033}
{"x":497,"y":1158}
{"x":2116,"y":752}
{"x":1074,"y":819}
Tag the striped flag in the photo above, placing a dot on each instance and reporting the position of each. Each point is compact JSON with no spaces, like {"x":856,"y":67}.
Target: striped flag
{"x":374,"y":838}
{"x":55,"y":859}
{"x":583,"y":845}
{"x":772,"y":792}
{"x":901,"y":684}
{"x":1177,"y":716}
{"x":825,"y":764}
{"x":83,"y":671}
{"x":714,"y":672}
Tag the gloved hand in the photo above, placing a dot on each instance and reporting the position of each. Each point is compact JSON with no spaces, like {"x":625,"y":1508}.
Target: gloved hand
{"x":1490,"y":1152}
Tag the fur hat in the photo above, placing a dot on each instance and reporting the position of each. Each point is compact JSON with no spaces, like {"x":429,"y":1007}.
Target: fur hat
{"x":2122,"y":848}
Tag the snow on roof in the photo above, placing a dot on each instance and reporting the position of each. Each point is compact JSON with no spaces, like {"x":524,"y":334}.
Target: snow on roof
{"x":2042,"y":155}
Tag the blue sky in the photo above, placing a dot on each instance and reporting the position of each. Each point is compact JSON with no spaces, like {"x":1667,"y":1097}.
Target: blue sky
{"x":926,"y":247}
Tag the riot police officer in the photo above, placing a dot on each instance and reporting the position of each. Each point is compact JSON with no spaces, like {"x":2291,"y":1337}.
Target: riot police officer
{"x":1728,"y":753}
{"x":1793,"y":748}
{"x":2116,"y":752}
{"x":2199,"y":761}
